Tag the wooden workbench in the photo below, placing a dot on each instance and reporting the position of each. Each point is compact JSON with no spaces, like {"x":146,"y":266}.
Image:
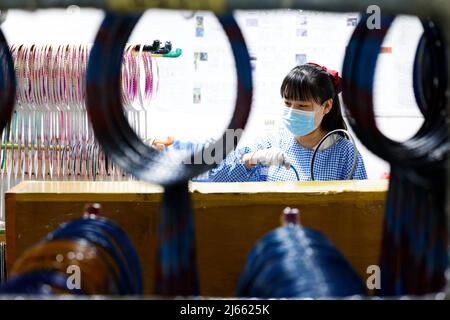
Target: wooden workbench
{"x":230,"y":218}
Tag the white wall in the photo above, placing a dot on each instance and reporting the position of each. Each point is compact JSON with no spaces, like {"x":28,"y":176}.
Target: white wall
{"x":275,"y":38}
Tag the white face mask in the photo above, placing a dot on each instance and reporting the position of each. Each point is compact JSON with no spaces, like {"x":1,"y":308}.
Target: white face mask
{"x":299,"y":122}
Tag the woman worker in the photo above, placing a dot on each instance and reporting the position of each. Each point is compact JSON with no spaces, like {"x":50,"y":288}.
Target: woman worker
{"x":311,"y":109}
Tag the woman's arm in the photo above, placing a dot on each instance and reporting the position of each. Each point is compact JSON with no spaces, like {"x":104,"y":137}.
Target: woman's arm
{"x":233,"y":168}
{"x":240,"y":164}
{"x":236,"y":167}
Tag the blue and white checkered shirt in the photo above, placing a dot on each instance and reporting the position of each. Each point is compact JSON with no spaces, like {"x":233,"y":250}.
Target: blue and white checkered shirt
{"x":333,"y":163}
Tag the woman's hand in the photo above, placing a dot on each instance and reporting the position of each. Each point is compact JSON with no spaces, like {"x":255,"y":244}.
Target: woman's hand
{"x":266,"y":157}
{"x":160,"y":144}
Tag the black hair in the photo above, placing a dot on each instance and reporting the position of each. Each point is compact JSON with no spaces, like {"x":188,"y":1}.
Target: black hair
{"x":308,"y":82}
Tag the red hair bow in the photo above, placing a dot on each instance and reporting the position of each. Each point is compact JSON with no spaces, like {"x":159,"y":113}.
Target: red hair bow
{"x":337,"y":80}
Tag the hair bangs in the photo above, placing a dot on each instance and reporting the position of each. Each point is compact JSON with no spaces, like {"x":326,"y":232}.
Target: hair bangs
{"x":298,"y":87}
